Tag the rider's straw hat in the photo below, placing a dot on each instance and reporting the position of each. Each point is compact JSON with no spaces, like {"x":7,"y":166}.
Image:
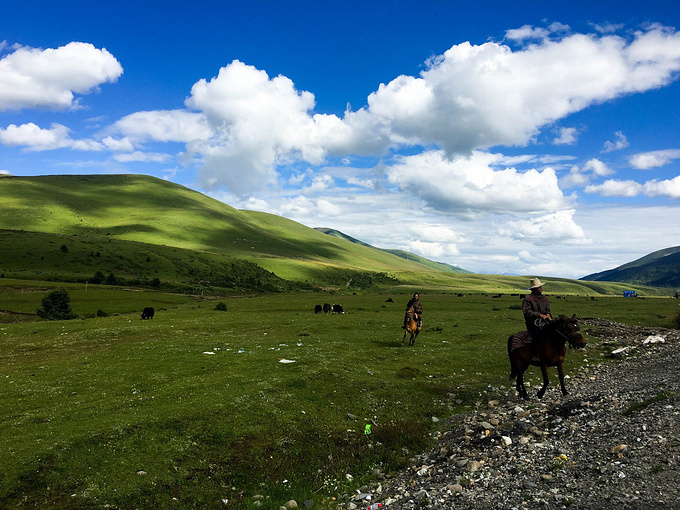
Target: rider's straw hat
{"x":535,"y":283}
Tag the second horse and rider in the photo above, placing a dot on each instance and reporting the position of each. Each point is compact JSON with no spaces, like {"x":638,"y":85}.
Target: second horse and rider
{"x":543,"y":344}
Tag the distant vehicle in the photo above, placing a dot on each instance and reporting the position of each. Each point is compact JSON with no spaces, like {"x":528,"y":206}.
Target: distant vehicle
{"x":629,"y":293}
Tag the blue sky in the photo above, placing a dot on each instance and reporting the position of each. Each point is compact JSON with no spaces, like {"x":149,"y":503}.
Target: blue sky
{"x":534,"y":138}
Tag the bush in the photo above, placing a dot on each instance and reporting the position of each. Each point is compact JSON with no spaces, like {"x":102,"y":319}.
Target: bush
{"x":221,"y":307}
{"x":56,"y":305}
{"x":102,"y":313}
{"x":98,"y":277}
{"x":676,"y":321}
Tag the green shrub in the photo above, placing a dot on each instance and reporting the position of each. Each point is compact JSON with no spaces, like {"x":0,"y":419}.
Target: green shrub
{"x":98,"y":277}
{"x":56,"y":305}
{"x":676,"y":321}
{"x":102,"y":313}
{"x":221,"y":307}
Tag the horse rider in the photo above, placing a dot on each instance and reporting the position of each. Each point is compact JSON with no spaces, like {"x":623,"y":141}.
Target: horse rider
{"x":417,"y":306}
{"x":536,"y":309}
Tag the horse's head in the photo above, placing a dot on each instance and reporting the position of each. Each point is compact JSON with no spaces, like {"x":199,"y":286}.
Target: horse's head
{"x":570,"y":329}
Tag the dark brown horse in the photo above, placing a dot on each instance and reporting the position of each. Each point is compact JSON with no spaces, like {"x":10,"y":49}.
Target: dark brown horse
{"x":551,"y":352}
{"x":411,"y":327}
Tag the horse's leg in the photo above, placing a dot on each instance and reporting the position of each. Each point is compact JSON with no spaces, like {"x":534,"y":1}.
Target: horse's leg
{"x":403,"y":339}
{"x":544,"y":371}
{"x":415,"y":335}
{"x":520,"y":386}
{"x":560,"y":373}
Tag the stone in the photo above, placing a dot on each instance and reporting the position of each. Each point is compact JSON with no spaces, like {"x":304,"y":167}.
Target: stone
{"x":291,"y":505}
{"x":473,"y":466}
{"x":619,"y":448}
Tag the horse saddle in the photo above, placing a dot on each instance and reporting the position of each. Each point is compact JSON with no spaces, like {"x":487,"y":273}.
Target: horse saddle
{"x":520,"y":339}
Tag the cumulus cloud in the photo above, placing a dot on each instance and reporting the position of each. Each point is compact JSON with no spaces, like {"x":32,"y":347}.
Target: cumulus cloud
{"x":669,"y":188}
{"x":479,"y":96}
{"x":35,"y":138}
{"x":49,"y":78}
{"x":621,"y":142}
{"x":615,"y":188}
{"x":242,"y":124}
{"x":319,"y":183}
{"x":545,"y":229}
{"x":471,"y":184}
{"x":581,"y":176}
{"x":653,"y":159}
{"x":258,"y":123}
{"x":568,"y":136}
{"x":164,"y":126}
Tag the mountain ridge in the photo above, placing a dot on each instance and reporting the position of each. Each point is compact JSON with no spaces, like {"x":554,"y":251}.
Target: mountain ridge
{"x":658,"y":269}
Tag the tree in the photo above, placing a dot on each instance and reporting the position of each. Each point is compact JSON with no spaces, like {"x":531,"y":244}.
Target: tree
{"x":56,"y":305}
{"x":98,"y":277}
{"x":111,"y":279}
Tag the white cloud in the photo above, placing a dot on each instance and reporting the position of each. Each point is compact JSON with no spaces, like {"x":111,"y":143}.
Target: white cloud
{"x":432,"y":250}
{"x":582,"y":176}
{"x":244,"y":124}
{"x":653,"y":159}
{"x":597,"y":167}
{"x":164,"y":126}
{"x":614,"y":188}
{"x":471,"y":184}
{"x":568,"y":136}
{"x":545,"y":229}
{"x":479,"y":96}
{"x":620,"y":143}
{"x":319,"y":183}
{"x":37,"y":78}
{"x":668,"y":188}
{"x":259,"y":123}
{"x":148,"y":157}
{"x":122,"y":145}
{"x":34,"y":138}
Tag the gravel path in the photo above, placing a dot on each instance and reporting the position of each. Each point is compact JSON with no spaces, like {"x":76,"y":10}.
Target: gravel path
{"x":613,"y":442}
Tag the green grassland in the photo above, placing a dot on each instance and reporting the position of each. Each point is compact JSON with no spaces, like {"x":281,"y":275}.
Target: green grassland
{"x":135,"y":414}
{"x":194,"y":409}
{"x":152,"y":211}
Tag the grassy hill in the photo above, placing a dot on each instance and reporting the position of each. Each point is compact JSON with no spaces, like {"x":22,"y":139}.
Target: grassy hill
{"x":659,"y":269}
{"x":438,"y":266}
{"x":156,"y":212}
{"x":144,"y":229}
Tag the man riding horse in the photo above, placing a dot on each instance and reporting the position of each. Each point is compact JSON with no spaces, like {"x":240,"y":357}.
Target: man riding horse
{"x":415,"y":304}
{"x":536,"y":309}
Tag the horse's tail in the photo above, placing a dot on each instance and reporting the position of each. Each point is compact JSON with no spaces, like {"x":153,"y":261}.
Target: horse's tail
{"x":513,"y":367}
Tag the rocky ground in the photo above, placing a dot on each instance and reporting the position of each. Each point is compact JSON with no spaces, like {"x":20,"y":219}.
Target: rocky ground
{"x":613,"y":442}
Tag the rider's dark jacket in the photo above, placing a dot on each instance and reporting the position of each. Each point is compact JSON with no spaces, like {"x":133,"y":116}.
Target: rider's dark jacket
{"x":533,"y":306}
{"x":416,"y":304}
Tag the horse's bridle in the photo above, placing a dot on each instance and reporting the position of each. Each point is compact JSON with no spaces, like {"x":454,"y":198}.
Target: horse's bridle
{"x":569,"y":337}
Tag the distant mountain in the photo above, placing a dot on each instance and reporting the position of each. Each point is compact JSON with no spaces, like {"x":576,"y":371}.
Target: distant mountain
{"x":658,"y":269}
{"x":439,"y":266}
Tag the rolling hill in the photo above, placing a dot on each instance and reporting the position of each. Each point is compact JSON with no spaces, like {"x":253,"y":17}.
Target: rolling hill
{"x":438,"y":266}
{"x":143,"y":209}
{"x":144,"y":230}
{"x":658,"y":269}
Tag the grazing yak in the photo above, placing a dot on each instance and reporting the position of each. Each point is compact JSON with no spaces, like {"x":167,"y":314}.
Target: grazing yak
{"x":147,"y":313}
{"x":326,"y":308}
{"x":318,"y":309}
{"x":337,"y":309}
